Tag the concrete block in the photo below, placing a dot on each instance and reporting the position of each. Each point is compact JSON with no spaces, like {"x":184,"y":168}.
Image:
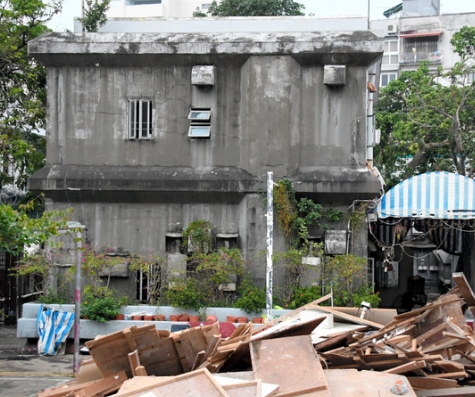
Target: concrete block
{"x":334,"y":75}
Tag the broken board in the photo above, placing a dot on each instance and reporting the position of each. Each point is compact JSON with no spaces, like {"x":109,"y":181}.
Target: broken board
{"x":292,"y":363}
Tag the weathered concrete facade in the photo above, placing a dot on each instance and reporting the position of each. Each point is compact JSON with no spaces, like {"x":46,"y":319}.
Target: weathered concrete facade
{"x":274,"y":107}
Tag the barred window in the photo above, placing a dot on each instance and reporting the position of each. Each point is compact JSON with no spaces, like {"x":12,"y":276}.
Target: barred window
{"x":140,"y":119}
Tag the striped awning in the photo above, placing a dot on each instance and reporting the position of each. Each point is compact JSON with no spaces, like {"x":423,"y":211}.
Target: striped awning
{"x":434,"y":195}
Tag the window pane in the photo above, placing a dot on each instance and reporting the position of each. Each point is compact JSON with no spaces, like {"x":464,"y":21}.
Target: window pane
{"x":384,"y":80}
{"x":199,"y":131}
{"x":393,"y":46}
{"x":385,"y":59}
{"x":202,"y":115}
{"x":394,"y":59}
{"x":386,"y":46}
{"x":144,"y":120}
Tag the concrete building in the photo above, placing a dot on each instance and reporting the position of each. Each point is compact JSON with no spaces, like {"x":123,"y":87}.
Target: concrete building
{"x":148,"y":132}
{"x":156,"y":8}
{"x":418,"y":33}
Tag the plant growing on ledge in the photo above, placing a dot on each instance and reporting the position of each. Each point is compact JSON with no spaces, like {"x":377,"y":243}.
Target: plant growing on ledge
{"x":252,"y":299}
{"x":99,"y":304}
{"x":197,"y":236}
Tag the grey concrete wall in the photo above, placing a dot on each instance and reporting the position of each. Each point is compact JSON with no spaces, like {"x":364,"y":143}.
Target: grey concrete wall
{"x":271,"y":111}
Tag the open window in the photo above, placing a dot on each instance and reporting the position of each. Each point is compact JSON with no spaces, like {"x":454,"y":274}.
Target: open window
{"x":200,"y":123}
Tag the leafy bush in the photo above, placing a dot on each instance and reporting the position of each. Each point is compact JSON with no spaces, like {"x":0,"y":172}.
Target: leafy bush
{"x":99,"y":304}
{"x":252,"y":299}
{"x":302,"y":296}
{"x":185,"y":294}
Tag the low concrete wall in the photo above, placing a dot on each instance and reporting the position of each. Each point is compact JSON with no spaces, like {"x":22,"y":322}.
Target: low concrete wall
{"x":26,"y":325}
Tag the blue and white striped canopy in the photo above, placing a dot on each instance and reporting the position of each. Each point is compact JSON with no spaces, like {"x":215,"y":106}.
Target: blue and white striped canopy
{"x":434,"y":195}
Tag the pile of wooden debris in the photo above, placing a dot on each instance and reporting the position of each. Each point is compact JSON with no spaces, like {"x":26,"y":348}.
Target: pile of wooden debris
{"x":424,"y":352}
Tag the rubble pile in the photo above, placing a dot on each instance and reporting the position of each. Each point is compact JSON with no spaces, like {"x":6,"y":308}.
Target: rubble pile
{"x":424,"y":352}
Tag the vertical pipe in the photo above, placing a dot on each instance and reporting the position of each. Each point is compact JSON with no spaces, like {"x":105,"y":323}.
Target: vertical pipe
{"x":369,"y":6}
{"x":77,"y":300}
{"x":270,"y":223}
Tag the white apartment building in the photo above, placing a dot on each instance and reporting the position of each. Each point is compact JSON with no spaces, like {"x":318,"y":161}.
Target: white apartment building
{"x":418,"y":33}
{"x":156,"y":8}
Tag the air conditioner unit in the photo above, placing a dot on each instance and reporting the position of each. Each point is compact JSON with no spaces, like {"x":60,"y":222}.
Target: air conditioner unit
{"x":392,"y":29}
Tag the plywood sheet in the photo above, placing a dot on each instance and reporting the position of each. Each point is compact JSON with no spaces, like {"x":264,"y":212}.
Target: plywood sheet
{"x":198,"y":383}
{"x":364,"y":383}
{"x":161,"y":359}
{"x":290,"y":362}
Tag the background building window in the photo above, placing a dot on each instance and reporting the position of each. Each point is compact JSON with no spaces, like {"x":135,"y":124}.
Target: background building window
{"x":386,"y":78}
{"x":140,"y":119}
{"x":391,"y":52}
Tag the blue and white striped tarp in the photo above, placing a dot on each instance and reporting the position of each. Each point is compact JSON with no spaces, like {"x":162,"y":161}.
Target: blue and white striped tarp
{"x":53,"y":328}
{"x":434,"y":195}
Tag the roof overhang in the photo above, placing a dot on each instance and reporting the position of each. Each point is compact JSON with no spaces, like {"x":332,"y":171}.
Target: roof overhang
{"x":419,"y":34}
{"x":434,"y":195}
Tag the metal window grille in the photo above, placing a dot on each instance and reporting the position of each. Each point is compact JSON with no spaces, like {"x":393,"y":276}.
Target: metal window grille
{"x":140,"y":119}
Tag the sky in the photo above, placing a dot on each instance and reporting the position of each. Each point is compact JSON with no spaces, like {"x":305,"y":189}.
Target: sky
{"x":72,"y":9}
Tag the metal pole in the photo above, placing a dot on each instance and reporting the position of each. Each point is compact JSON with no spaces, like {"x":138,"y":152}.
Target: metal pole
{"x":270,"y":225}
{"x":77,"y":301}
{"x":369,"y":6}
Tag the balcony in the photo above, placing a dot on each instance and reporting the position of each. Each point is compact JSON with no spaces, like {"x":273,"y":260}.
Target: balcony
{"x":415,"y":58}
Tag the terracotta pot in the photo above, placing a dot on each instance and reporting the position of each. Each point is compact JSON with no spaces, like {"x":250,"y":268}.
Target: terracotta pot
{"x":120,"y":317}
{"x":159,"y":317}
{"x":148,"y":318}
{"x":257,"y":320}
{"x":231,"y":319}
{"x":211,"y":318}
{"x":184,"y":317}
{"x":174,"y":317}
{"x":194,"y":319}
{"x":242,"y":319}
{"x":137,"y":318}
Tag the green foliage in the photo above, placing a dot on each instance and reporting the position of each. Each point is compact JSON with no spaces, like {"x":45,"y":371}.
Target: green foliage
{"x":231,"y":8}
{"x":18,"y":230}
{"x":296,"y":216}
{"x":303,"y":295}
{"x":201,"y":284}
{"x":197,"y":237}
{"x":365,"y":293}
{"x":52,"y":296}
{"x":427,"y":119}
{"x":252,"y":299}
{"x":99,"y":304}
{"x":464,"y":42}
{"x":345,"y":276}
{"x":22,"y":89}
{"x":95,"y":14}
{"x":185,"y":293}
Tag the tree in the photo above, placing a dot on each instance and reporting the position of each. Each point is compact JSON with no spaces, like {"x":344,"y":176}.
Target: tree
{"x":95,"y":14}
{"x":22,"y":89}
{"x":255,"y":8}
{"x":18,"y":229}
{"x":427,"y":119}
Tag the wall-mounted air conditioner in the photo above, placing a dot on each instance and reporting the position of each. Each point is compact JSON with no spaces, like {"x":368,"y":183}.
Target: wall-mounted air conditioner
{"x":392,"y":29}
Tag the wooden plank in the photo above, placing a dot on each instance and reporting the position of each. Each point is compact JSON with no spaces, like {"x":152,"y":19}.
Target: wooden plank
{"x":188,"y":344}
{"x":466,"y":391}
{"x":293,"y":313}
{"x":431,"y":383}
{"x":227,"y":379}
{"x":103,"y":387}
{"x":199,"y":383}
{"x":134,"y":361}
{"x":353,"y":383}
{"x":284,"y":360}
{"x":64,"y":389}
{"x":245,"y":389}
{"x":349,"y":317}
{"x":161,"y":359}
{"x":408,"y":367}
{"x":464,"y":288}
{"x":289,"y":329}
